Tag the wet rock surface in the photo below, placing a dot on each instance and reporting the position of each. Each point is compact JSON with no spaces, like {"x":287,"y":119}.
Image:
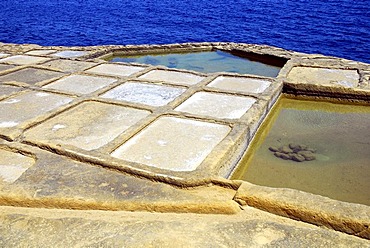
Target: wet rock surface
{"x":294,"y":152}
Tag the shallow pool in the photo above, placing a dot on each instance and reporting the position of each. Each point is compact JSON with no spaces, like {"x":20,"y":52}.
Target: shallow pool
{"x":336,"y":139}
{"x":206,"y":62}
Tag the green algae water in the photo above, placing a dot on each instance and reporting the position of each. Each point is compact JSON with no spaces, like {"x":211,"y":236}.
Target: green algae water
{"x":338,"y":137}
{"x":206,"y":62}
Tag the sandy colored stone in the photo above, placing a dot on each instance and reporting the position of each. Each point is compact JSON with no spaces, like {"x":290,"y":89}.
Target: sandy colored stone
{"x":173,"y":143}
{"x":23,"y":60}
{"x":286,"y":149}
{"x":319,"y":210}
{"x":217,"y":105}
{"x":57,"y":181}
{"x":13,"y":165}
{"x":324,"y":76}
{"x":30,"y":76}
{"x":20,"y":227}
{"x":18,"y":109}
{"x":150,"y":94}
{"x":80,"y":84}
{"x":172,"y":77}
{"x":88,"y":126}
{"x":115,"y":70}
{"x":308,"y":155}
{"x":68,"y":65}
{"x":240,"y":84}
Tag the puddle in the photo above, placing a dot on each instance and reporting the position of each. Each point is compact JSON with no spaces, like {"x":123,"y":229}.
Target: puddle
{"x":206,"y":62}
{"x":335,"y":138}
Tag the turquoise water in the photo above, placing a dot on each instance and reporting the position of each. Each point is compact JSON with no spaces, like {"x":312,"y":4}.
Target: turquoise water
{"x":207,"y":62}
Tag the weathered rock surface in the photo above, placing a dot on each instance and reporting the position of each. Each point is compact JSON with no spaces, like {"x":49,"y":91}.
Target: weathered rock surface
{"x":319,"y":210}
{"x":20,"y":227}
{"x":294,"y":152}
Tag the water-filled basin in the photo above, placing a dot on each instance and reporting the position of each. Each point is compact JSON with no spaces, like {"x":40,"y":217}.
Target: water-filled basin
{"x":313,"y":146}
{"x":208,"y":62}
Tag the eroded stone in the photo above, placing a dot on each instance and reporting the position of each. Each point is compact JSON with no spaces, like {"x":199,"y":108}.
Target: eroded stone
{"x":217,"y":105}
{"x":297,"y":157}
{"x":286,"y":149}
{"x":88,"y":126}
{"x":173,"y":143}
{"x":150,"y":94}
{"x":294,"y":151}
{"x":249,"y":228}
{"x":324,"y":76}
{"x":282,"y":155}
{"x":240,"y":84}
{"x":59,"y":177}
{"x":80,"y":84}
{"x":172,"y":77}
{"x":274,"y":148}
{"x":308,"y":155}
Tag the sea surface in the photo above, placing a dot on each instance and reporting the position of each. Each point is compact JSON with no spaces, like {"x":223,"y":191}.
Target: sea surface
{"x":332,"y":27}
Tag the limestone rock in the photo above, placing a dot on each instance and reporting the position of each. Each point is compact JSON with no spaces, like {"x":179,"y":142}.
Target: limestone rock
{"x":294,"y":151}
{"x":308,"y":155}
{"x":286,"y":149}
{"x":273,"y":148}
{"x":282,"y":155}
{"x":298,"y":158}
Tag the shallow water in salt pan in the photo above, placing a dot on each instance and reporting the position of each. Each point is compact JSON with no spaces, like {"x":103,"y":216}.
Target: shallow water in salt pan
{"x":339,"y":133}
{"x":207,"y":62}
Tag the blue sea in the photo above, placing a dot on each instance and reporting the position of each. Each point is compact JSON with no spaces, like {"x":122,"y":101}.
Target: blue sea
{"x":332,"y":27}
